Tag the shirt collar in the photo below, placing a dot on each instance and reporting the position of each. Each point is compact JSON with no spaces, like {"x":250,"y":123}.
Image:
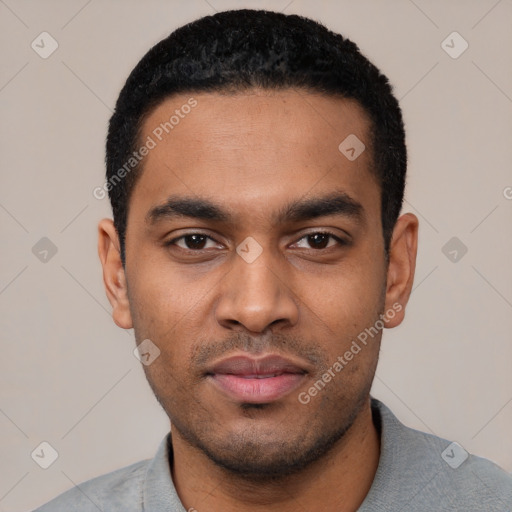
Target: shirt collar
{"x":159,"y":493}
{"x":404,"y":470}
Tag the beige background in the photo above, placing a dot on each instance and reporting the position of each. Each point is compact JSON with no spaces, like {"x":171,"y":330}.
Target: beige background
{"x":68,"y":375}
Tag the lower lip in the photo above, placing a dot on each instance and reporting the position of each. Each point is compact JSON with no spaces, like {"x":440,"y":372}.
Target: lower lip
{"x":257,"y":391}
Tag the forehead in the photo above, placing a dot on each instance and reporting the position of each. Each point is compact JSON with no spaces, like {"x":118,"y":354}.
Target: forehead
{"x":253,"y":149}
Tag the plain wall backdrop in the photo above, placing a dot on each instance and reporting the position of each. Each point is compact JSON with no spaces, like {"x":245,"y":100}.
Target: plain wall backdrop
{"x":68,"y":374}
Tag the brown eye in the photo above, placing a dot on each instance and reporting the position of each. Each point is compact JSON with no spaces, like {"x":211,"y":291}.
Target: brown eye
{"x":318,"y":241}
{"x":193,"y":242}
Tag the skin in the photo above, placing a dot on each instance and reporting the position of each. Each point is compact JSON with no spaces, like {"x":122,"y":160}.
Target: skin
{"x":252,"y":154}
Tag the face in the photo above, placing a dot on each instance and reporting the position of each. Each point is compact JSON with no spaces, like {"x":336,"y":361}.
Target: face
{"x":254,"y":260}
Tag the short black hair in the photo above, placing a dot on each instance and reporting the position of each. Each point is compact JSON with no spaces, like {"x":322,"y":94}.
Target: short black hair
{"x":237,"y":50}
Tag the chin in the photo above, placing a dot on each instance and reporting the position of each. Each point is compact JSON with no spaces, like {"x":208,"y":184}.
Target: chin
{"x":254,"y":456}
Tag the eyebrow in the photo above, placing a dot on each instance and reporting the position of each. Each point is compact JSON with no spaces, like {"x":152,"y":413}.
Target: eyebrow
{"x":337,"y":203}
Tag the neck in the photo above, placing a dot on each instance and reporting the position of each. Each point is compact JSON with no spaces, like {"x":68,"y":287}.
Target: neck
{"x":337,"y":482}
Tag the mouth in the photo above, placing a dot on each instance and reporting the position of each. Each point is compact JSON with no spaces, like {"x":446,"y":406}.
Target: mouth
{"x":256,"y":380}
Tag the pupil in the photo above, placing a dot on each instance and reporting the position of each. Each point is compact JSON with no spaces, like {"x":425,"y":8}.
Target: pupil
{"x":195,"y":241}
{"x":319,"y":240}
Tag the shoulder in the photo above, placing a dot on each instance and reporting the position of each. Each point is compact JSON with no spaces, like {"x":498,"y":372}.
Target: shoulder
{"x":465,"y":481}
{"x":429,"y":471}
{"x":119,"y":490}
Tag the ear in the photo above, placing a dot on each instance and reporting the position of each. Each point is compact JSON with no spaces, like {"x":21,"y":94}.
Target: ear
{"x":114,"y":277}
{"x":402,"y":263}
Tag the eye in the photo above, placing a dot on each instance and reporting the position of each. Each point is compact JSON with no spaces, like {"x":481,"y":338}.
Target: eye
{"x":193,"y":242}
{"x":319,"y":240}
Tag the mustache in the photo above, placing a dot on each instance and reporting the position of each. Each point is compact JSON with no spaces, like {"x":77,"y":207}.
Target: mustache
{"x":206,"y":351}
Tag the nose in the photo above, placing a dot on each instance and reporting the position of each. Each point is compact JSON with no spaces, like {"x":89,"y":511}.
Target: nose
{"x":256,"y":295}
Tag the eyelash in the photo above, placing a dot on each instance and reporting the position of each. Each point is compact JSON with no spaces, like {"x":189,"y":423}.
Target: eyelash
{"x":340,"y":241}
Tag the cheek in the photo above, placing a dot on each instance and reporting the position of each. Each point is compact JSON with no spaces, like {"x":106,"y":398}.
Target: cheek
{"x":159,"y":297}
{"x":169,"y":312}
{"x":347,"y":298}
{"x":347,"y":307}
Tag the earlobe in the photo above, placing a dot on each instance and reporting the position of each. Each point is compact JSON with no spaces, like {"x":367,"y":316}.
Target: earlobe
{"x":114,"y":277}
{"x":402,"y":264}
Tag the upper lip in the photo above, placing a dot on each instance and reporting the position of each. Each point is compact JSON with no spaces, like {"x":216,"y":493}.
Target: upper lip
{"x":244,"y":365}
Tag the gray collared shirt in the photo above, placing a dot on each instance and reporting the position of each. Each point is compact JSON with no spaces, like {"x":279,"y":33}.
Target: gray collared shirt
{"x":417,"y":472}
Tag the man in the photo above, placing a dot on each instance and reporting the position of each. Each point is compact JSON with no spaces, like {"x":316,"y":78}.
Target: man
{"x":256,"y":166}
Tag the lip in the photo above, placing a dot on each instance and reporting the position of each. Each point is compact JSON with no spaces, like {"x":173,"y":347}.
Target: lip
{"x":256,"y":380}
